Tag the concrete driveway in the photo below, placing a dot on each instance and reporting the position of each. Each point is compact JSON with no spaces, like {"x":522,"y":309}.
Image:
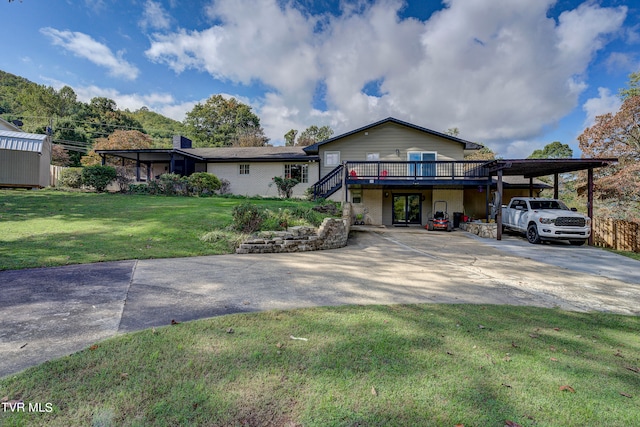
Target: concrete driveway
{"x":48,"y":313}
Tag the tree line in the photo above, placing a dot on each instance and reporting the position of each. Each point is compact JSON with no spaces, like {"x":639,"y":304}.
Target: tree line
{"x":77,"y":127}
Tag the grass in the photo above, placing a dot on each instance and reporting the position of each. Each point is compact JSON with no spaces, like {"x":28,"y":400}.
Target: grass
{"x":629,"y":254}
{"x":444,"y":365}
{"x":49,"y":228}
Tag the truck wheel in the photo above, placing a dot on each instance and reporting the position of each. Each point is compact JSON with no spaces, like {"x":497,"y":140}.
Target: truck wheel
{"x":532,"y":234}
{"x":577,"y":242}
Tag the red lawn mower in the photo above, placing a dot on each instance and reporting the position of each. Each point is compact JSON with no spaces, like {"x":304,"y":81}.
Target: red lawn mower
{"x":440,"y":220}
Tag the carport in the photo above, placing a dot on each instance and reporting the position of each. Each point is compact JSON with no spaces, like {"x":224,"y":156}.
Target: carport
{"x":533,"y":168}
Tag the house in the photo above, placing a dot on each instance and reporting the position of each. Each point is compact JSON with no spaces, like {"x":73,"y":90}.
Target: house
{"x":394,"y":171}
{"x":25,"y":158}
{"x":249,"y":170}
{"x":391,"y":171}
{"x":5,"y":125}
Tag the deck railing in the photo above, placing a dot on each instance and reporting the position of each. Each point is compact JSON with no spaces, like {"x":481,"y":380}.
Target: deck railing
{"x":455,"y":170}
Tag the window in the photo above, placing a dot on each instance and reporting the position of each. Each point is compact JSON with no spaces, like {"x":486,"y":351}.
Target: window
{"x":244,"y":169}
{"x":373,"y":157}
{"x":331,"y":158}
{"x":422,"y":169}
{"x":299,"y":172}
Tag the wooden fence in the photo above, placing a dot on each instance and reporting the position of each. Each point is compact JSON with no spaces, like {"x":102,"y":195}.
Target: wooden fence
{"x":54,"y":176}
{"x":616,"y":234}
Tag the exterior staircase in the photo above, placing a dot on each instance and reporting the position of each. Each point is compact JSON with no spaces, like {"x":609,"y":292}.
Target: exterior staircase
{"x":329,"y":184}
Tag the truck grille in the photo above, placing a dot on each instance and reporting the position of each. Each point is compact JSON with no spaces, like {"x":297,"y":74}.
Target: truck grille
{"x":569,"y":221}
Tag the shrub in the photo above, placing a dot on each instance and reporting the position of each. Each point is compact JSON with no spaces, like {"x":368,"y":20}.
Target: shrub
{"x":225,"y":187}
{"x":203,"y":183}
{"x":230,"y":239}
{"x":285,"y":186}
{"x":71,"y":177}
{"x":173,"y":184}
{"x":309,"y":215}
{"x":247,"y":218}
{"x":138,"y":189}
{"x":279,"y":220}
{"x":123,"y":178}
{"x":98,"y":176}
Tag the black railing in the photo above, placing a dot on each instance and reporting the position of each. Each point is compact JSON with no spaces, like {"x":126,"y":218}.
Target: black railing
{"x":329,"y":184}
{"x":451,"y":170}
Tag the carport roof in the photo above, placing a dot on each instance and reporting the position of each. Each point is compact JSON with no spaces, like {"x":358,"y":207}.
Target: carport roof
{"x":216,"y":154}
{"x":531,"y":168}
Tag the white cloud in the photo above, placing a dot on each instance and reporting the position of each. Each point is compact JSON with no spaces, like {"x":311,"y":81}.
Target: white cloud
{"x":84,"y":46}
{"x":603,"y":104}
{"x":154,"y":16}
{"x":622,"y":61}
{"x":499,"y":70}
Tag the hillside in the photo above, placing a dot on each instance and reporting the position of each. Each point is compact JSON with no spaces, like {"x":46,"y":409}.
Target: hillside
{"x":75,"y":122}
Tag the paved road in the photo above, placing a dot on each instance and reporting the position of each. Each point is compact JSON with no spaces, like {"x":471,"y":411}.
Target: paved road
{"x":48,"y":313}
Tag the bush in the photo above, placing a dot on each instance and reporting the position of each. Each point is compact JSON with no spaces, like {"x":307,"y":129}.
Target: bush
{"x":225,"y":187}
{"x":98,"y":176}
{"x":123,"y":178}
{"x":230,"y":239}
{"x":247,"y":217}
{"x":285,"y":186}
{"x":71,"y":177}
{"x":171,"y":184}
{"x":309,"y":215}
{"x":279,"y":220}
{"x":138,"y":189}
{"x":203,"y":183}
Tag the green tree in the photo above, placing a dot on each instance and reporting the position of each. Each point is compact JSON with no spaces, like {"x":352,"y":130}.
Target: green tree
{"x":160,"y":128}
{"x":102,"y":118}
{"x":314,"y":134}
{"x":222,"y":122}
{"x":634,"y":86}
{"x":290,"y":137}
{"x":554,"y":150}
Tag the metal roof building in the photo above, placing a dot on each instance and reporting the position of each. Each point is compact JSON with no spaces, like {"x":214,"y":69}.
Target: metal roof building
{"x":25,"y":159}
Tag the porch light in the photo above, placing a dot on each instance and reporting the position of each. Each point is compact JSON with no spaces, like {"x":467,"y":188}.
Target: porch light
{"x":397,"y":152}
{"x":480,"y":188}
{"x":386,"y":194}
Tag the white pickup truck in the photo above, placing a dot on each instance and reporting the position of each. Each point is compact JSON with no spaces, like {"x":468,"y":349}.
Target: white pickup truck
{"x":546,"y":219}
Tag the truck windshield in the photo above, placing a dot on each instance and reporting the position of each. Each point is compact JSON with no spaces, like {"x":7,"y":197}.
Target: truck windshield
{"x":548,"y":204}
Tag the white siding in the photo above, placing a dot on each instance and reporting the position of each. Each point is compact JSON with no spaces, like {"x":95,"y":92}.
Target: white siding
{"x":260,"y":178}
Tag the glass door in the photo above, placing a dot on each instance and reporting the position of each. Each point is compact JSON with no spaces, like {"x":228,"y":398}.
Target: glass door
{"x":425,"y":169}
{"x":407,"y":209}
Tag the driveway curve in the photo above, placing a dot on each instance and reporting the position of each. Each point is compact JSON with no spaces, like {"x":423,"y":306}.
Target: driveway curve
{"x":52,"y":312}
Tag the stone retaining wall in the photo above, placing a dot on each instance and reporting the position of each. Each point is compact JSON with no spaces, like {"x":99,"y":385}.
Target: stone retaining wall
{"x":482,"y":229}
{"x":332,"y":234}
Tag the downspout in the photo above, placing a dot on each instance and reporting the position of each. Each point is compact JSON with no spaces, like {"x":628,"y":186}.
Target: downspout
{"x":590,"y":201}
{"x":499,"y":207}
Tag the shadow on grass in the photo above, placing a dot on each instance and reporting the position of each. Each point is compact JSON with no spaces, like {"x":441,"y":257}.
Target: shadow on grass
{"x":374,"y":365}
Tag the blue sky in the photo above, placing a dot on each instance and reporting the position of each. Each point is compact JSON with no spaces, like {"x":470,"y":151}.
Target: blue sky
{"x":512,"y":74}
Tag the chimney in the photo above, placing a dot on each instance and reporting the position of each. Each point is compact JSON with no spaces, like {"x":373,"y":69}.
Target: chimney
{"x":180,"y":142}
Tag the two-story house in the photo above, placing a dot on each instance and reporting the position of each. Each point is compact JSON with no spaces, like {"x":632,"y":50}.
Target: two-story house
{"x":391,"y":171}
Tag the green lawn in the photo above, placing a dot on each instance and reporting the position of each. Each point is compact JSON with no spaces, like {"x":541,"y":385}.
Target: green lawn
{"x":406,"y":365}
{"x":48,"y":228}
